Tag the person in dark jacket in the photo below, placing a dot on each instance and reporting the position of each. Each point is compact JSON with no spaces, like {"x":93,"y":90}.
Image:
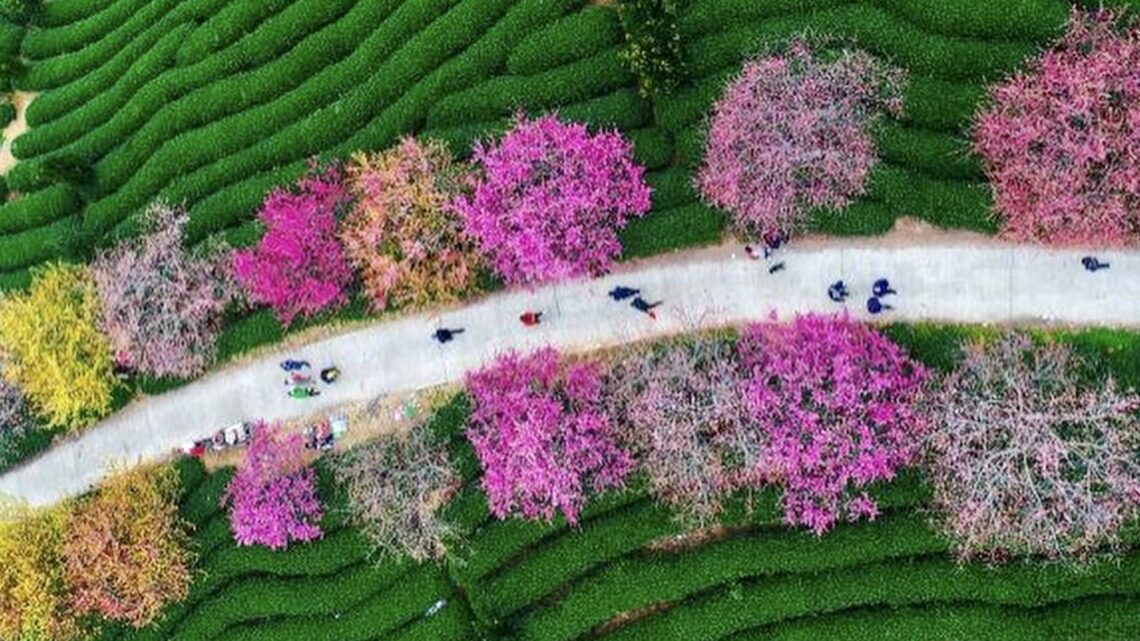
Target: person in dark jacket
{"x":837,"y":291}
{"x":444,"y":334}
{"x":644,"y":306}
{"x":621,"y":293}
{"x":881,"y":288}
{"x":874,"y":305}
{"x":1092,"y":264}
{"x":291,"y":365}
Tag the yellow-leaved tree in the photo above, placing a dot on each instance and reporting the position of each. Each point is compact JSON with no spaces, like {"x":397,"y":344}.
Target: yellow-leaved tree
{"x":33,"y":592}
{"x":53,"y":349}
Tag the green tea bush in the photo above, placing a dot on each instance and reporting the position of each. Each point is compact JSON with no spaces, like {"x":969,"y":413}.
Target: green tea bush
{"x":35,"y":245}
{"x":709,"y":16}
{"x":671,"y":229}
{"x":227,"y":27}
{"x":949,"y":204}
{"x":461,"y":138}
{"x":690,"y":145}
{"x":936,"y":154}
{"x":653,"y":47}
{"x":687,"y":106}
{"x":49,"y":41}
{"x":7,"y":113}
{"x":1035,"y":21}
{"x":14,"y":281}
{"x":621,"y":109}
{"x":236,"y":204}
{"x":941,"y":105}
{"x":639,"y":580}
{"x":37,"y":209}
{"x":10,"y":37}
{"x":58,"y":13}
{"x":578,"y":35}
{"x":21,"y":12}
{"x":652,"y":146}
{"x":500,"y":96}
{"x":671,"y":188}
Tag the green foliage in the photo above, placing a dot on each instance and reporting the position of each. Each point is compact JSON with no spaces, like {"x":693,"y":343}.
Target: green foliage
{"x":672,"y":229}
{"x":1027,"y":20}
{"x":653,"y":46}
{"x":21,"y":12}
{"x":652,"y":146}
{"x":578,"y":35}
{"x":226,"y":27}
{"x":38,"y":208}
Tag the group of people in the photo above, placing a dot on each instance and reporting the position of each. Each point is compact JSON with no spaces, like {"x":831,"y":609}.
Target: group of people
{"x":881,"y":288}
{"x":238,"y":435}
{"x":772,"y":242}
{"x":300,"y":380}
{"x":325,"y":433}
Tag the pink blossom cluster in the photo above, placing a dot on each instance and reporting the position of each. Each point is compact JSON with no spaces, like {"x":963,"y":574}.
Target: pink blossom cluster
{"x":161,"y":306}
{"x":834,"y":401}
{"x":273,"y":495}
{"x":541,"y":432}
{"x":547,"y":200}
{"x":1060,"y":139}
{"x":299,"y":267}
{"x":791,"y":133}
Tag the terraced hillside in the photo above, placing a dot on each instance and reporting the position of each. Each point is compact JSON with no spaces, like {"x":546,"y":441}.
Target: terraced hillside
{"x":521,"y":581}
{"x":212,"y":102}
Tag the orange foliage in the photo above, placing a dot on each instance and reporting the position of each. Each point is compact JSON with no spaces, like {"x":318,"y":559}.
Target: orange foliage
{"x":33,"y":592}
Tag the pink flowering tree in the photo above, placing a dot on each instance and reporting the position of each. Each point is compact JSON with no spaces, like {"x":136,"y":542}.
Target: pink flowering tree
{"x":792,"y":133}
{"x":1059,"y":139}
{"x":299,"y":267}
{"x":541,"y":432}
{"x":272,"y":497}
{"x":834,"y":401}
{"x":546,"y":201}
{"x":162,"y":306}
{"x":679,"y":407}
{"x":1025,"y":460}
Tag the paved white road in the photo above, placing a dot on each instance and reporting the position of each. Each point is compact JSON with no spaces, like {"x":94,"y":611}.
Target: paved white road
{"x":958,"y":281}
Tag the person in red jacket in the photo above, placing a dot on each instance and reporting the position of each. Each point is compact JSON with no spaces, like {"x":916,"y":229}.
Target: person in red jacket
{"x":530,"y":319}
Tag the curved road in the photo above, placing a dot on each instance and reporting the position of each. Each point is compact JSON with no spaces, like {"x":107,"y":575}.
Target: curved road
{"x":953,"y":280}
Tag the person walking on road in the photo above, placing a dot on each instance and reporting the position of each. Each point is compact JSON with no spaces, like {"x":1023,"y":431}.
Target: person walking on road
{"x":444,"y":334}
{"x":875,"y":306}
{"x":291,"y":365}
{"x":330,"y":374}
{"x":621,"y":292}
{"x":1092,"y":264}
{"x":297,"y":378}
{"x":837,"y":291}
{"x":530,"y":319}
{"x":645,"y":307}
{"x":300,"y":391}
{"x":881,"y":288}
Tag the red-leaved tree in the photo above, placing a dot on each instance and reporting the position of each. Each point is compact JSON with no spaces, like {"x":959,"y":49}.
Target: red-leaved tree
{"x":1025,"y":460}
{"x":298,"y":267}
{"x":1059,"y":139}
{"x":835,"y":403}
{"x":679,"y":407}
{"x":547,"y":200}
{"x":272,"y":497}
{"x":791,"y":133}
{"x":408,"y":245}
{"x":540,"y":429}
{"x":161,"y":306}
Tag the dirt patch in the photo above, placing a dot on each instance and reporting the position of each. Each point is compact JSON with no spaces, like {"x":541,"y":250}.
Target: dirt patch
{"x":20,"y":100}
{"x":687,"y":540}
{"x":626,"y":618}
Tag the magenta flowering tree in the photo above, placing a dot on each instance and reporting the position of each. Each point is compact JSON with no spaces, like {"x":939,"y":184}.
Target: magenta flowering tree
{"x":161,"y":306}
{"x":1025,"y":460}
{"x":541,"y":432}
{"x":547,"y":200}
{"x":792,"y":133}
{"x":299,"y":267}
{"x":1059,"y":139}
{"x":272,"y":497}
{"x":834,"y":401}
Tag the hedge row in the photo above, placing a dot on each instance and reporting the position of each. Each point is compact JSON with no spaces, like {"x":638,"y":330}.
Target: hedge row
{"x":639,"y":580}
{"x":499,"y":96}
{"x":941,"y":105}
{"x":48,"y":42}
{"x":652,"y":146}
{"x":671,"y":229}
{"x":479,"y":61}
{"x":939,"y":155}
{"x":99,"y":64}
{"x":579,"y":35}
{"x":37,"y":209}
{"x":1033,"y":21}
{"x":1103,"y":618}
{"x":671,"y":188}
{"x":232,"y":23}
{"x":39,"y":244}
{"x":58,"y":13}
{"x":10,"y":38}
{"x":950,"y":204}
{"x":711,"y":16}
{"x":922,"y":580}
{"x":222,"y":140}
{"x":189,"y":97}
{"x":452,"y":623}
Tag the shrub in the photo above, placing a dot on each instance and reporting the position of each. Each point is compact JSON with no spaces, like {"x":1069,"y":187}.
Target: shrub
{"x":409,"y":247}
{"x":53,"y":347}
{"x":578,"y":35}
{"x":161,"y":307}
{"x":791,"y":133}
{"x":1026,"y":460}
{"x":21,"y":12}
{"x":298,"y":267}
{"x":33,"y":594}
{"x":125,"y":553}
{"x":396,"y":487}
{"x":548,"y":199}
{"x":1059,"y":139}
{"x":680,"y":408}
{"x":833,"y":399}
{"x":542,"y":435}
{"x":273,"y":497}
{"x":653,"y":47}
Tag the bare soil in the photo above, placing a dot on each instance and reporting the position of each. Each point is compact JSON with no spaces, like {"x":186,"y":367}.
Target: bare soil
{"x":20,"y":100}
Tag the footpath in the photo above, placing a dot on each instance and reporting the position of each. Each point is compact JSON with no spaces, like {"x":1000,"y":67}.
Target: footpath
{"x":946,"y":279}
